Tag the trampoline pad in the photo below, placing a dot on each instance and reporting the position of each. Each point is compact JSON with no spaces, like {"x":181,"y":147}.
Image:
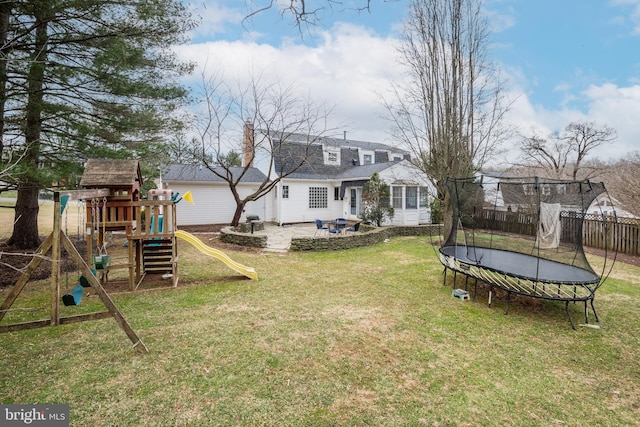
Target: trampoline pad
{"x":521,"y":265}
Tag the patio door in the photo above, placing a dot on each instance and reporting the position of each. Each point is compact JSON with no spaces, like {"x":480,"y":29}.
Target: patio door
{"x":355,"y":202}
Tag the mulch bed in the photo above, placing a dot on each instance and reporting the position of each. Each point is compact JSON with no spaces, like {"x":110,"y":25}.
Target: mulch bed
{"x":12,"y":260}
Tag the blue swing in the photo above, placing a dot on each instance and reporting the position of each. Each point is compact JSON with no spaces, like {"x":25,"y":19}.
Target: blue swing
{"x":75,"y":297}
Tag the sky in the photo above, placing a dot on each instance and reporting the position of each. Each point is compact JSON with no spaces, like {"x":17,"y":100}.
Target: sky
{"x":563,"y":61}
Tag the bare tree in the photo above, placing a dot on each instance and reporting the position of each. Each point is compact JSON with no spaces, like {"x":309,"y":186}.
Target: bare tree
{"x":306,"y":12}
{"x":449,"y":112}
{"x":623,"y":181}
{"x":273,"y":119}
{"x":564,"y":154}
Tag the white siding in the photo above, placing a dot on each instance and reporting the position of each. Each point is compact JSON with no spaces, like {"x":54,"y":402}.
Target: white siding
{"x":402,"y":175}
{"x":296,"y":207}
{"x":213,"y":203}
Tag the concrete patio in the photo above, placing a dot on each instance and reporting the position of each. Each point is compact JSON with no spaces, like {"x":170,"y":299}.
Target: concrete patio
{"x":279,"y":237}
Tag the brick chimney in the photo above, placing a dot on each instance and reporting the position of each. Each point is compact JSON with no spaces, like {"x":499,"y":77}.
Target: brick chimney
{"x":248,"y":148}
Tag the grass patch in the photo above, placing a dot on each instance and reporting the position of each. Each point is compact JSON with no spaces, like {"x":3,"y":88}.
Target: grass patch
{"x":358,"y":337}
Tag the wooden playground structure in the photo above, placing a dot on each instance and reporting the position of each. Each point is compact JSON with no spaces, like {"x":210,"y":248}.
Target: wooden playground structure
{"x":111,"y":196}
{"x":149,"y":225}
{"x":57,"y":240}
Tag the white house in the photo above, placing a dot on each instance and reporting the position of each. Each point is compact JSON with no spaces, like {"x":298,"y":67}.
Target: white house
{"x":328,"y":185}
{"x":607,"y":206}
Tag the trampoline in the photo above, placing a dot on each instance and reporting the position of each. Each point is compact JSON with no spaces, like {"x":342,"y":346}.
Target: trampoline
{"x":525,"y":236}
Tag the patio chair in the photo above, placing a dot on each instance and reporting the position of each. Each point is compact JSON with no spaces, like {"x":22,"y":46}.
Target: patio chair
{"x":355,"y":228}
{"x":320,"y":227}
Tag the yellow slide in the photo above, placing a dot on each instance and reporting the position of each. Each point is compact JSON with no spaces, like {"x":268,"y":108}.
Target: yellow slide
{"x":208,"y":250}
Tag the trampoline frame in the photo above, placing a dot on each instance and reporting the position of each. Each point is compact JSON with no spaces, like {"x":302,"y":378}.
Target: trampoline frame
{"x":567,"y":291}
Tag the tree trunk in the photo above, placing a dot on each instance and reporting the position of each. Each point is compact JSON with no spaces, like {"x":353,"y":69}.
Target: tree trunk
{"x":5,"y":10}
{"x":25,"y":229}
{"x":238,"y":213}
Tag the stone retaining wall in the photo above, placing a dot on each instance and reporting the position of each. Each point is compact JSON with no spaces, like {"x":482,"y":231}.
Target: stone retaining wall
{"x":365,"y":237}
{"x":229,"y":235}
{"x":245,"y":227}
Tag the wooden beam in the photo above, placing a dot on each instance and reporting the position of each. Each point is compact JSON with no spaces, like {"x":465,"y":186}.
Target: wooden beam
{"x":85,"y":317}
{"x":34,"y":324}
{"x":85,"y":194}
{"x":26,"y":325}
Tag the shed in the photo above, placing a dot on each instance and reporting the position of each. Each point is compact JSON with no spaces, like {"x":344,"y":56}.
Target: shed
{"x":121,"y":176}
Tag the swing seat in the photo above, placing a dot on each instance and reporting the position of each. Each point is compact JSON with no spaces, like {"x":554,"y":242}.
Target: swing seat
{"x":75,"y":297}
{"x":84,"y":281}
{"x":101,"y":261}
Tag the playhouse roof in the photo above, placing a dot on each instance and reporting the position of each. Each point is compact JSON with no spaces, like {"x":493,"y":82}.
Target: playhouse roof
{"x":111,"y":173}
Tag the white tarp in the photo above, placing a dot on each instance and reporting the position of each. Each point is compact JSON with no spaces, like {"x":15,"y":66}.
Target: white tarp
{"x":549,"y":227}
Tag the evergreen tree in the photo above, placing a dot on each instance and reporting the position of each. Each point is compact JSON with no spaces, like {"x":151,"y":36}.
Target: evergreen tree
{"x":85,"y":78}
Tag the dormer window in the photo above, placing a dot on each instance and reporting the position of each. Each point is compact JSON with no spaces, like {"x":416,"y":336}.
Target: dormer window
{"x":367,"y":157}
{"x":332,"y":157}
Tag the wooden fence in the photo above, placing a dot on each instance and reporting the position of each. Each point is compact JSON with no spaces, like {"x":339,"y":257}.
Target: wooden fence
{"x":622,"y":235}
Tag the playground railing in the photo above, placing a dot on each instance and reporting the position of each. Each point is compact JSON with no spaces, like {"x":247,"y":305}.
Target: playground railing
{"x":155,"y":219}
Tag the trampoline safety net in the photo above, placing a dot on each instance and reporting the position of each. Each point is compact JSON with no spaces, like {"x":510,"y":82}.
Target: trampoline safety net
{"x":525,"y":235}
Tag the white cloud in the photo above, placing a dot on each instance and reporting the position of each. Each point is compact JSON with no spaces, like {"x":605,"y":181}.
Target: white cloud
{"x":347,"y":68}
{"x":618,"y":107}
{"x":633,"y":16}
{"x":215,"y":18}
{"x":607,"y":104}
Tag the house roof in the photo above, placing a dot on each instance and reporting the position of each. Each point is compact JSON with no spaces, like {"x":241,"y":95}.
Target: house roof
{"x":346,"y":143}
{"x":195,"y":173}
{"x":111,"y":173}
{"x":364,"y":171}
{"x":291,"y":154}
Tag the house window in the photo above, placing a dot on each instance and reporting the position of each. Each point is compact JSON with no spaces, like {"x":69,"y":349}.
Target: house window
{"x":424,"y":197}
{"x":317,"y":197}
{"x":411,"y":198}
{"x":336,"y":193}
{"x":561,"y":188}
{"x":367,"y":159}
{"x":396,"y":196}
{"x":332,"y":157}
{"x":285,"y":191}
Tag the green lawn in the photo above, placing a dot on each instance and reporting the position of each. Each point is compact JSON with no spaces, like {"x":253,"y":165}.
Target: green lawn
{"x":358,"y":337}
